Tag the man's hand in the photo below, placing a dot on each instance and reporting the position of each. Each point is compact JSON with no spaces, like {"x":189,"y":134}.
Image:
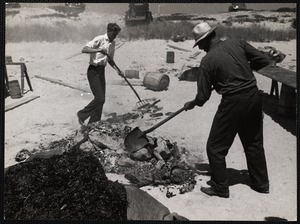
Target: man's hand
{"x":103,"y":51}
{"x":190,"y":105}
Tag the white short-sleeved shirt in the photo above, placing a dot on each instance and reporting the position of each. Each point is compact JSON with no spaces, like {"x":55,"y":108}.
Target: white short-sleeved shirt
{"x":101,"y":42}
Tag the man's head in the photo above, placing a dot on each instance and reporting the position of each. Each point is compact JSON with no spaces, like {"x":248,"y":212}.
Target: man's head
{"x":202,"y":34}
{"x":112,"y":31}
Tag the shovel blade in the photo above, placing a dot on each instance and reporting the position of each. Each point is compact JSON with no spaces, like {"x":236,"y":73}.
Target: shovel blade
{"x":135,"y":140}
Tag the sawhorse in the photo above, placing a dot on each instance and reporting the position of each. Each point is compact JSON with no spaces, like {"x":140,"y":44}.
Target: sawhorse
{"x":23,"y":74}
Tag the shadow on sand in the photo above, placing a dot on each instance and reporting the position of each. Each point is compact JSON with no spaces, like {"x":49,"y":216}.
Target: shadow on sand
{"x":234,"y":176}
{"x":270,"y":108}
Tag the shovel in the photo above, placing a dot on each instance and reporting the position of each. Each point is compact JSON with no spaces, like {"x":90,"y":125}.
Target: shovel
{"x":141,"y":103}
{"x":137,"y":139}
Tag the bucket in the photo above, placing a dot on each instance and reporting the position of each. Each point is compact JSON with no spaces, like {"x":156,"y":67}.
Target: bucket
{"x":156,"y":81}
{"x":170,"y":56}
{"x":132,"y":74}
{"x":287,"y":102}
{"x":14,"y":89}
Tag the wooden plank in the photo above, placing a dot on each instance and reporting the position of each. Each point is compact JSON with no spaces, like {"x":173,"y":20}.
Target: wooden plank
{"x":178,"y":48}
{"x":62,"y":83}
{"x":280,"y":74}
{"x":19,"y":103}
{"x":137,"y":82}
{"x":118,"y":45}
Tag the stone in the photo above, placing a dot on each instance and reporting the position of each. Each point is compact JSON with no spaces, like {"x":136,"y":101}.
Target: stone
{"x":141,"y":155}
{"x":163,"y":148}
{"x":87,"y":146}
{"x":126,"y":162}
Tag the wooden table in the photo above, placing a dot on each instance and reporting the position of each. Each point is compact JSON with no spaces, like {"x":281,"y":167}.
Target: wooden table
{"x":287,"y":98}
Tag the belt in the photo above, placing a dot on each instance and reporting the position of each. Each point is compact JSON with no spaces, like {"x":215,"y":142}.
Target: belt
{"x":241,"y":91}
{"x":97,"y":65}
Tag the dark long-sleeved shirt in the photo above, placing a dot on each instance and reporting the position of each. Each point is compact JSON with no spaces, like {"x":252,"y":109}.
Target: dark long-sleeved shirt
{"x":227,"y":67}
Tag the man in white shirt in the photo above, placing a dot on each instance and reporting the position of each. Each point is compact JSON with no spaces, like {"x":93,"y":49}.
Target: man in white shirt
{"x":98,"y":48}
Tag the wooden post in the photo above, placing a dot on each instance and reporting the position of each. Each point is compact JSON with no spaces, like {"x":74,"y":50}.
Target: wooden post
{"x":27,"y":78}
{"x":22,"y":78}
{"x":287,"y":102}
{"x":274,"y":87}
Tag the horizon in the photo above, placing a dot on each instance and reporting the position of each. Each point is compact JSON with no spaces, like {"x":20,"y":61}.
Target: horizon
{"x":169,"y":8}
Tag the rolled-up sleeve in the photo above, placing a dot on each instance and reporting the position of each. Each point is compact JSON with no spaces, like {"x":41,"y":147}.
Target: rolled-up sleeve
{"x":95,"y":43}
{"x":257,"y":59}
{"x":111,"y":50}
{"x":204,"y":87}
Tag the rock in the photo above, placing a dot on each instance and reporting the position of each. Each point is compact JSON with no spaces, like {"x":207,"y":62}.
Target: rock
{"x":156,"y":115}
{"x":163,"y":149}
{"x":175,"y":151}
{"x":79,"y":137}
{"x":141,"y":155}
{"x":187,"y":188}
{"x":179,"y":175}
{"x":160,"y":164}
{"x":102,"y":141}
{"x":120,"y":151}
{"x":22,"y":155}
{"x":125,"y":161}
{"x":45,"y":154}
{"x":87,"y":146}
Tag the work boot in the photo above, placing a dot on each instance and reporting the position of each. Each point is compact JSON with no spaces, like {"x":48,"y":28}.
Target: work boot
{"x":264,"y":190}
{"x":211,"y":192}
{"x":209,"y":182}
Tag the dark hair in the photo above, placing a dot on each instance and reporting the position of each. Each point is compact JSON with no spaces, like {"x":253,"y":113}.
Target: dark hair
{"x":113,"y":27}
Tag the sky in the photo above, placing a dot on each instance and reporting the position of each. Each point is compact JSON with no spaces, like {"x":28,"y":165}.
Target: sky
{"x":168,"y":8}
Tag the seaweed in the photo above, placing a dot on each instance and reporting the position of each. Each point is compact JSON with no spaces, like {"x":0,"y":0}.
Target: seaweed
{"x":71,"y":186}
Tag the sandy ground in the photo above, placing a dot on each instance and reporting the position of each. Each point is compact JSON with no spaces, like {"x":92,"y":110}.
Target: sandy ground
{"x":52,"y":117}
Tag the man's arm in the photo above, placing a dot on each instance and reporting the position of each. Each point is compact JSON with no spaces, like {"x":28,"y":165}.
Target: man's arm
{"x":257,"y":59}
{"x":204,"y":89}
{"x":114,"y":66}
{"x":89,"y":50}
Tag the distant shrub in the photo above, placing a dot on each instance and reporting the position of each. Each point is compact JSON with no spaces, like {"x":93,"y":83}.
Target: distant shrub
{"x":58,"y":31}
{"x":285,"y":9}
{"x":204,"y":18}
{"x":241,"y":16}
{"x":256,"y":33}
{"x":158,"y":30}
{"x":62,"y":31}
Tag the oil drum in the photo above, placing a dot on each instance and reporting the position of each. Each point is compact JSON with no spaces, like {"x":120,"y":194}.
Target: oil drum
{"x":156,"y":81}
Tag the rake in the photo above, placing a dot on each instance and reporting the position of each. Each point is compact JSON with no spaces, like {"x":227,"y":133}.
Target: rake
{"x":141,"y":103}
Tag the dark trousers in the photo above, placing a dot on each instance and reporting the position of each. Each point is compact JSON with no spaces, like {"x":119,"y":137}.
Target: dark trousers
{"x":238,"y":114}
{"x":96,"y":78}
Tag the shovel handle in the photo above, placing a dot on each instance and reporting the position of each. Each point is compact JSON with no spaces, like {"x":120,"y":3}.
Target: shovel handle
{"x":164,"y":120}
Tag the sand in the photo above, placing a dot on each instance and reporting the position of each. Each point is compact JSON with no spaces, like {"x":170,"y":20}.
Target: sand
{"x":53,"y":116}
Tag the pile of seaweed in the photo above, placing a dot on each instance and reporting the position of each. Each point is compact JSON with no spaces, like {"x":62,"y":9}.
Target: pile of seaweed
{"x":71,"y":186}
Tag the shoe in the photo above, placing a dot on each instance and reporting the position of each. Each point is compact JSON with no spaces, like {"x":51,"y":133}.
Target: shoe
{"x":80,"y":121}
{"x":260,"y":190}
{"x":209,"y":182}
{"x":210,"y":191}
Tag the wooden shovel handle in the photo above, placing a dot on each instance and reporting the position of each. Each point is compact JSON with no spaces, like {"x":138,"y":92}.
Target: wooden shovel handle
{"x":164,"y":120}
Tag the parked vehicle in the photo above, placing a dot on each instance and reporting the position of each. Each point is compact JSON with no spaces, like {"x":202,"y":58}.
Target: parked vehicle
{"x":138,"y":13}
{"x":12,"y":5}
{"x":70,"y":9}
{"x":74,"y":9}
{"x":237,"y":7}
